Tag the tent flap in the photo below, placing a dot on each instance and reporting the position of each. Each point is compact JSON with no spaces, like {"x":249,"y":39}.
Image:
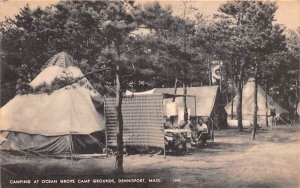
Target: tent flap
{"x":37,"y":143}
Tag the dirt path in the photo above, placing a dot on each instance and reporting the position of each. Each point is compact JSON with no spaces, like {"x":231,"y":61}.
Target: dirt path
{"x":233,"y":160}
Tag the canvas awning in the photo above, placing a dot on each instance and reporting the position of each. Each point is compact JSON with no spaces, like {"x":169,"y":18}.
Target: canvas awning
{"x":204,"y":96}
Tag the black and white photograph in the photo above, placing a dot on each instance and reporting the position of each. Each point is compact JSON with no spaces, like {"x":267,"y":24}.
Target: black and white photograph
{"x":145,"y":93}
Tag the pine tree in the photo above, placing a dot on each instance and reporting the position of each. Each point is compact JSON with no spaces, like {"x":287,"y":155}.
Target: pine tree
{"x":246,"y":35}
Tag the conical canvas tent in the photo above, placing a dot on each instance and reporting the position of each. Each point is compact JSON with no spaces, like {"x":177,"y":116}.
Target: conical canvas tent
{"x":64,"y":121}
{"x":248,"y":105}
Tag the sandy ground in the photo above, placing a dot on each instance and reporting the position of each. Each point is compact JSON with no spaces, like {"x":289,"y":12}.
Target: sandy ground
{"x":233,"y":160}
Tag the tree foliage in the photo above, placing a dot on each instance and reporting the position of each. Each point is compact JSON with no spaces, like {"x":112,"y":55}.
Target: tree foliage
{"x":150,"y":47}
{"x":244,"y":35}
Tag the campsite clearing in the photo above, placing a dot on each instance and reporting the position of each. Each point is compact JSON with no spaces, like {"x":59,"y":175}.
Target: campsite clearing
{"x":234,"y":160}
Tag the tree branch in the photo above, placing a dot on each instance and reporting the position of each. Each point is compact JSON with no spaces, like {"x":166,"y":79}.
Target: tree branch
{"x":89,"y":73}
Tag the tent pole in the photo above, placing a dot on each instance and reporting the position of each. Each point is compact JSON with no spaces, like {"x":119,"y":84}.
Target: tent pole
{"x":105,"y":130}
{"x":71,"y":146}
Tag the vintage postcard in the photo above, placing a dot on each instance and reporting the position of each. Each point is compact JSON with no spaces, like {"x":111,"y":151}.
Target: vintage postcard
{"x":144,"y":93}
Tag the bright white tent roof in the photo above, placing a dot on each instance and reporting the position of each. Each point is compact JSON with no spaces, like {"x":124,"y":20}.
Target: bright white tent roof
{"x":248,"y":102}
{"x":149,"y":92}
{"x":64,"y":111}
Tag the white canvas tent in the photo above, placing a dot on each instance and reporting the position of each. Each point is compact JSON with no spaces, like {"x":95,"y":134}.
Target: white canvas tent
{"x":202,"y":102}
{"x":248,"y":106}
{"x":64,"y":121}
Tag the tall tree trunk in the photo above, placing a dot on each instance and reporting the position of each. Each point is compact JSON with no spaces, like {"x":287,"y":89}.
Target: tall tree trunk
{"x":220,"y":64}
{"x":185,"y":111}
{"x":239,"y":100}
{"x":118,"y":107}
{"x":255,"y":103}
{"x":297,"y":102}
{"x":234,"y":86}
{"x":209,"y":70}
{"x":232,"y":106}
{"x":175,"y":89}
{"x":266,"y":104}
{"x":285,"y":95}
